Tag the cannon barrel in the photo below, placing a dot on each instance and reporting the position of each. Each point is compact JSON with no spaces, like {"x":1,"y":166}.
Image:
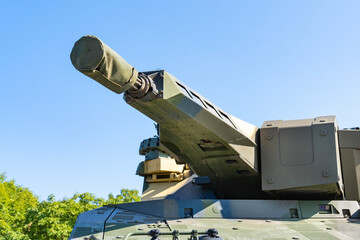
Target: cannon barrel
{"x":98,"y":61}
{"x":95,"y":59}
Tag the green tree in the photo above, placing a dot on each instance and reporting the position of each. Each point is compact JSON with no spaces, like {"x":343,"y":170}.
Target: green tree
{"x":23,"y":217}
{"x":55,"y":219}
{"x":14,"y":204}
{"x":125,"y":196}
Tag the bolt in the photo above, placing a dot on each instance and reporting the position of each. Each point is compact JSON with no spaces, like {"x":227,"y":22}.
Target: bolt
{"x":271,"y":180}
{"x":323,"y":132}
{"x":269,"y":136}
{"x":326,"y":173}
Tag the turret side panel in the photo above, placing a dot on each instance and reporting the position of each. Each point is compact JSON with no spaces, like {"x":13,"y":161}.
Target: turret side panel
{"x":301,"y":156}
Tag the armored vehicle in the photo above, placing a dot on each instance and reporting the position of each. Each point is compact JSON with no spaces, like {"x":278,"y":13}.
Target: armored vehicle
{"x":209,"y":175}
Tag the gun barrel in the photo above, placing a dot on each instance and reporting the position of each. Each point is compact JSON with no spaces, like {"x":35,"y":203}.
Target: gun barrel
{"x":98,"y":61}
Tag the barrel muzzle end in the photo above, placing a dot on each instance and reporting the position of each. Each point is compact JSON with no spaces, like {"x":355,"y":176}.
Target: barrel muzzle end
{"x":98,"y":61}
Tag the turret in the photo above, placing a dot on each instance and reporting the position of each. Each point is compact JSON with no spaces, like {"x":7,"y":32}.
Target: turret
{"x":299,"y":159}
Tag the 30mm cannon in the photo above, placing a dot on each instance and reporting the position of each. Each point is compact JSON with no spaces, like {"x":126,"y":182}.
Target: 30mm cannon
{"x":299,"y":158}
{"x":209,"y":169}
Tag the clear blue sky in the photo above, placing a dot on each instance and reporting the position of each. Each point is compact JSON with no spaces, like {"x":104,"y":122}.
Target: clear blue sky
{"x":61,"y":132}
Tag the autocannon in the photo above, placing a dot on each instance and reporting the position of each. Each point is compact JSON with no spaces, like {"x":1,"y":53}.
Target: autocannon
{"x":205,"y":157}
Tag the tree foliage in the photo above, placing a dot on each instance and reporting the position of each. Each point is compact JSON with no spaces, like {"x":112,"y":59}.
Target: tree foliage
{"x":14,"y":204}
{"x":24,"y":217}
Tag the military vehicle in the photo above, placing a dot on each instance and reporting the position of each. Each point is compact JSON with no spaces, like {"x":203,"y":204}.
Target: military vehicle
{"x":209,"y":175}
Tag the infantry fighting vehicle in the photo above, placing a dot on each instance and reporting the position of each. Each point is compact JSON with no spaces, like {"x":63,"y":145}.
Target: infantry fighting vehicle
{"x":209,"y":175}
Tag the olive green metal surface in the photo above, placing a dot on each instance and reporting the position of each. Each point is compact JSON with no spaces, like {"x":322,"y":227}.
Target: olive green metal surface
{"x":297,"y":179}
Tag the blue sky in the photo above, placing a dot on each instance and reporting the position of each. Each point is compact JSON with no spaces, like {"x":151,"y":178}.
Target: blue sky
{"x":62,"y":132}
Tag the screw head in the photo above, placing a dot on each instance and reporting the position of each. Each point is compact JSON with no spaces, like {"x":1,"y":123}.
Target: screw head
{"x":269,"y":136}
{"x":326,"y":173}
{"x":323,"y":132}
{"x":271,"y":180}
